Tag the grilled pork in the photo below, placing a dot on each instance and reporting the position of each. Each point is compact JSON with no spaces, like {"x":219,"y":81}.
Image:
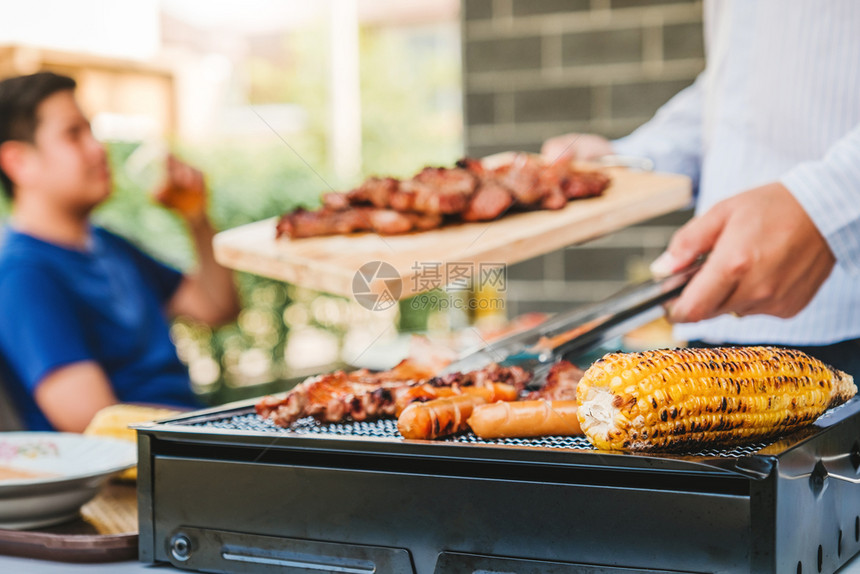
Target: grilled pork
{"x":328,"y":221}
{"x":561,"y":383}
{"x":364,"y":395}
{"x":489,"y":201}
{"x":437,"y":191}
{"x":467,"y":192}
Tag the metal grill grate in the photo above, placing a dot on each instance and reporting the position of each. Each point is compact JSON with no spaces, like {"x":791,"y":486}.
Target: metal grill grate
{"x":387,"y":428}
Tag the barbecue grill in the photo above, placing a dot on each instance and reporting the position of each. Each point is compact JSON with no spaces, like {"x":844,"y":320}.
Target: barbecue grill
{"x":224,"y":490}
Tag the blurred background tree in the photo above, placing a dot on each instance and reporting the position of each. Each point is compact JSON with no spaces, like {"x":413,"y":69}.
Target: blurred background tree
{"x":249,"y":104}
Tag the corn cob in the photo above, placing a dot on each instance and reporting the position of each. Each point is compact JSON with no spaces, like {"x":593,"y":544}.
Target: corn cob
{"x":113,"y":421}
{"x":687,"y":399}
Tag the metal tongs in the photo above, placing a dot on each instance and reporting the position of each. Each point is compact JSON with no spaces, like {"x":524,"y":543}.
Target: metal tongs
{"x":580,"y":330}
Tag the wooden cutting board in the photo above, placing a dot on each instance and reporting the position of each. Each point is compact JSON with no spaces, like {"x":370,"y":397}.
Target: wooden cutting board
{"x":427,"y":259}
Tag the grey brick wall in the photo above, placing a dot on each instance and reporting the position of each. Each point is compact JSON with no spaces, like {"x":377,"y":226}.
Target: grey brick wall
{"x":533,"y":69}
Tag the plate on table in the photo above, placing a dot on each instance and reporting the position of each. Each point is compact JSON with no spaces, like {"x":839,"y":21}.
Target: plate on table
{"x":45,"y":477}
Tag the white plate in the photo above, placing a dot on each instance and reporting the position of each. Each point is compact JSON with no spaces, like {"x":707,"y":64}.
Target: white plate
{"x":75,"y":467}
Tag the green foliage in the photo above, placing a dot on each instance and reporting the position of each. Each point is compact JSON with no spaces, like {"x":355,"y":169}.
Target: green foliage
{"x":298,"y":77}
{"x":410,"y":97}
{"x":250,"y":183}
{"x":245,"y":185}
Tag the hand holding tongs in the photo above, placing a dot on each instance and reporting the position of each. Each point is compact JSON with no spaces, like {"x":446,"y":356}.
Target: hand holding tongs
{"x":575,"y":332}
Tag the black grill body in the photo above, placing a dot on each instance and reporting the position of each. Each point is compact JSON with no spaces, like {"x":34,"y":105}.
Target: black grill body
{"x":225,"y":491}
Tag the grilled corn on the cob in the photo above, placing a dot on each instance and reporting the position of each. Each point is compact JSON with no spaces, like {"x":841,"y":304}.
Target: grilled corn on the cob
{"x":113,"y":421}
{"x":686,"y":399}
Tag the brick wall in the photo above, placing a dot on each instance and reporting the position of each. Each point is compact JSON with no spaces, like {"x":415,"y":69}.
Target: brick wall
{"x":533,"y":69}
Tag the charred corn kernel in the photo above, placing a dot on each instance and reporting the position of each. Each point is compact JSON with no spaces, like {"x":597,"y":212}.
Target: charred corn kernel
{"x":113,"y":422}
{"x":687,"y":399}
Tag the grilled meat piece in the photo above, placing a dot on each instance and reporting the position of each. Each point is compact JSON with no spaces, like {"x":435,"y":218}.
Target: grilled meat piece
{"x":472,"y":165}
{"x":432,"y":191}
{"x":547,"y":186}
{"x":493,"y":373}
{"x":552,"y":182}
{"x":553,"y":199}
{"x":336,"y":201}
{"x":325,"y":221}
{"x":375,"y":191}
{"x":585,"y":184}
{"x":435,"y":190}
{"x":468,"y":192}
{"x":332,"y":397}
{"x":490,"y":201}
{"x":561,"y":383}
{"x":522,"y":177}
{"x":363,"y":395}
{"x":390,"y":222}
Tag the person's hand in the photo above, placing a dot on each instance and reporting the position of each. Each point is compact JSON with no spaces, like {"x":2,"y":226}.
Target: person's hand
{"x":582,"y":147}
{"x":184,"y":190}
{"x":765,"y":256}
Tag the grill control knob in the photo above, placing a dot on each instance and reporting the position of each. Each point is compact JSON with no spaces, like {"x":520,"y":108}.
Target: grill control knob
{"x":180,"y":547}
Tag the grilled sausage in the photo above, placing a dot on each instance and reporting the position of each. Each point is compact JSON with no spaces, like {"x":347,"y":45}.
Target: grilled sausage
{"x":437,"y":418}
{"x":423,"y":393}
{"x":525,"y":419}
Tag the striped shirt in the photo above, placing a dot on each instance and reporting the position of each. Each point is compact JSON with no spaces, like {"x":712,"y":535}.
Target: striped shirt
{"x":779,"y":100}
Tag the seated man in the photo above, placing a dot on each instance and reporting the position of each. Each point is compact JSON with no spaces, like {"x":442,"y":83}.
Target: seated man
{"x":84,"y":312}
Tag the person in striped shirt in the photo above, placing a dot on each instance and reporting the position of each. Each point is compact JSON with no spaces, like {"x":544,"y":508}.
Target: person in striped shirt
{"x":770,"y":134}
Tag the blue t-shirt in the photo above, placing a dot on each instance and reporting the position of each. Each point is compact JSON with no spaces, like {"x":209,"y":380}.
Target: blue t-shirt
{"x":106,"y":304}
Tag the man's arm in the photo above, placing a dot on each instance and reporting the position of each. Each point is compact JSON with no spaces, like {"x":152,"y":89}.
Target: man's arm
{"x":829,"y":191}
{"x":771,"y":248}
{"x":209,"y":294}
{"x":672,"y":139}
{"x":71,"y":395}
